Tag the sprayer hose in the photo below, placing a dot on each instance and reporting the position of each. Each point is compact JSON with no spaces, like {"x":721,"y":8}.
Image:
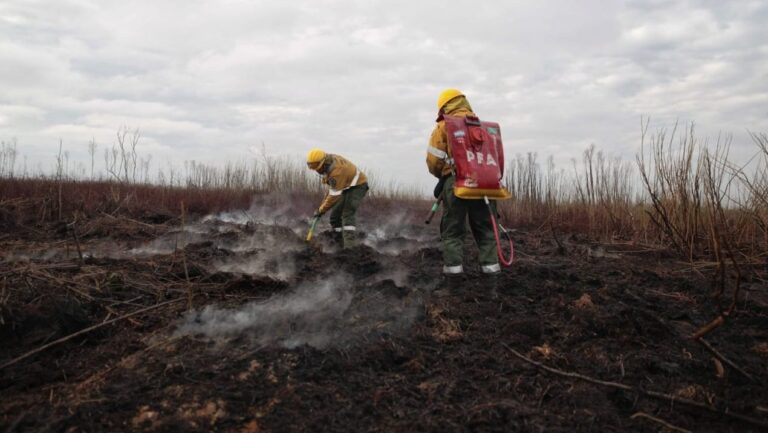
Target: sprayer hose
{"x":502,"y":259}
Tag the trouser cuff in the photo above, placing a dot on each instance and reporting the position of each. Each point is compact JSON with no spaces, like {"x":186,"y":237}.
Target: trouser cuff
{"x":458,"y":269}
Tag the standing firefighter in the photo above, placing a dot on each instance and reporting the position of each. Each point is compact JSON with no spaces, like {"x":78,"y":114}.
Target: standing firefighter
{"x":467,"y":156}
{"x":346,"y":188}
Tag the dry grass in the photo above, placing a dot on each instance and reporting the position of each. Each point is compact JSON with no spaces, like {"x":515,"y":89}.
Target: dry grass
{"x":266,"y":181}
{"x":681,"y":193}
{"x":597,"y":197}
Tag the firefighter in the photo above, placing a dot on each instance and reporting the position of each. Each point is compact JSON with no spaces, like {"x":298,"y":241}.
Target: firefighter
{"x":456,"y":210}
{"x":346,"y":188}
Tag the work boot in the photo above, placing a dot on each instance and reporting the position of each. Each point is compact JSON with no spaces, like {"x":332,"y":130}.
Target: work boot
{"x":454,"y":283}
{"x":491,"y":276}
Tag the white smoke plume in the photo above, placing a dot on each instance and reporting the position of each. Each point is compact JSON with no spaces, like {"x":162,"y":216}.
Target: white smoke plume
{"x":279,"y":265}
{"x":272,"y":209}
{"x":394,"y":235}
{"x":319,"y":314}
{"x":167,"y":244}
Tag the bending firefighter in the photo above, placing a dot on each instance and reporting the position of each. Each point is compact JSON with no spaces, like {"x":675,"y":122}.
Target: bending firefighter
{"x":467,"y":156}
{"x":346,"y":188}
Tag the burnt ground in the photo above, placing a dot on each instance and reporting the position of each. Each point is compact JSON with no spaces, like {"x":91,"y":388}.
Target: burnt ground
{"x":289,"y":337}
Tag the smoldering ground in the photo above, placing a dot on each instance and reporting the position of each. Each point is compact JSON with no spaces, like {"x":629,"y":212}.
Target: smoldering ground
{"x":263,"y":240}
{"x":340,"y":306}
{"x":391,"y":356}
{"x":329,"y":312}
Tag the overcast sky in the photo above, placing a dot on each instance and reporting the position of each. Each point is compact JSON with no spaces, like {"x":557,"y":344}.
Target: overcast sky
{"x":213,"y":80}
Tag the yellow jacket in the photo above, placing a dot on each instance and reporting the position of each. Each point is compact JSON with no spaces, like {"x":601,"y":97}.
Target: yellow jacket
{"x":439,"y":158}
{"x":339,"y":175}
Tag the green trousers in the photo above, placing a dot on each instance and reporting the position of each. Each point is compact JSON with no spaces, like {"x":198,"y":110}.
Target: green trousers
{"x":343,"y":214}
{"x":453,"y":229}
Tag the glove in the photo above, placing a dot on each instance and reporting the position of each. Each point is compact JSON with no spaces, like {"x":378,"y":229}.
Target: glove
{"x":317,"y":215}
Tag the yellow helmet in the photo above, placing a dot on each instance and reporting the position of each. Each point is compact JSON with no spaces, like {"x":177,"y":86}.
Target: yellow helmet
{"x":315,"y":159}
{"x":446,"y":96}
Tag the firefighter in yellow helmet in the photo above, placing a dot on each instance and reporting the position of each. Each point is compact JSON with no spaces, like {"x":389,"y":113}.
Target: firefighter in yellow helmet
{"x":456,"y":210}
{"x":347,"y":186}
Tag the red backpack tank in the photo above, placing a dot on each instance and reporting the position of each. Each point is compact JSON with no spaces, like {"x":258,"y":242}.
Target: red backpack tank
{"x":478,"y":155}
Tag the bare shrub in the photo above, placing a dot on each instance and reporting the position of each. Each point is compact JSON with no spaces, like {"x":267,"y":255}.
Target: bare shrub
{"x":8,"y":154}
{"x":672,"y":179}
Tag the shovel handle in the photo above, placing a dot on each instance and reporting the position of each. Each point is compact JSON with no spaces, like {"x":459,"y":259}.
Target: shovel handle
{"x":311,"y":229}
{"x":432,"y":211}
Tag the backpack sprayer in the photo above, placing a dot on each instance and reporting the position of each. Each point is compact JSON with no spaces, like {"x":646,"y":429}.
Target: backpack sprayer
{"x":477,"y":155}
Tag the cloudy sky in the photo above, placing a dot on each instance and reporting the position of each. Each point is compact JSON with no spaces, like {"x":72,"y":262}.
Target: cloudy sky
{"x":213,"y":80}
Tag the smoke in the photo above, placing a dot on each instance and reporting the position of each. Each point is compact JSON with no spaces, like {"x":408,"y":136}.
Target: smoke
{"x":49,"y":254}
{"x":266,"y":250}
{"x":323,"y":313}
{"x":395,"y":236}
{"x":272,"y":209}
{"x":225,"y":233}
{"x":398,"y":274}
{"x":275,"y":238}
{"x":279,"y":265}
{"x":167,"y":243}
{"x":275,"y":223}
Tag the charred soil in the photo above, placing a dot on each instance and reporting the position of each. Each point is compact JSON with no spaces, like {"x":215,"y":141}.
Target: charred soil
{"x":284,"y":336}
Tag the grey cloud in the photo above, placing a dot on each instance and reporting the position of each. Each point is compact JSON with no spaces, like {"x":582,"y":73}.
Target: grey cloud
{"x":212,"y":80}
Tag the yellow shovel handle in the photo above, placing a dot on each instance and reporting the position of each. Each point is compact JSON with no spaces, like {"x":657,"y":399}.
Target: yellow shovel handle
{"x":311,"y":229}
